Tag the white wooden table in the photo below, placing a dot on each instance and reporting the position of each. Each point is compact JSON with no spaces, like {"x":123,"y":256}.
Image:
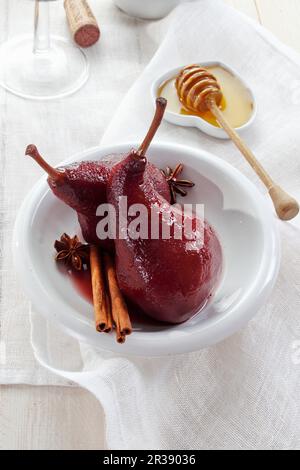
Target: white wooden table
{"x":66,"y":418}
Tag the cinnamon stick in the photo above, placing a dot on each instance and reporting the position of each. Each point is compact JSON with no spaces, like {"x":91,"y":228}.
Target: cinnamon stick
{"x":103,"y":318}
{"x":109,"y":326}
{"x":119,"y":309}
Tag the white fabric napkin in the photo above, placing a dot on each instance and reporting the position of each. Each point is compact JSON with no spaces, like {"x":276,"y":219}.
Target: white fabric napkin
{"x":244,"y":392}
{"x":60,"y":128}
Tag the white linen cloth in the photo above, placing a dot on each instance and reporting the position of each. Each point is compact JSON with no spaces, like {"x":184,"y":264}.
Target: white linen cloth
{"x":60,"y":128}
{"x":244,"y":392}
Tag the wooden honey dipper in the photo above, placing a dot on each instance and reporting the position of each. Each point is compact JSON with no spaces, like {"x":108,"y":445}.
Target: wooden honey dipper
{"x":199,"y":91}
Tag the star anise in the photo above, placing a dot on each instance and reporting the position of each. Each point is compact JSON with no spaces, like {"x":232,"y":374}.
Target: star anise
{"x":177,"y":185}
{"x":72,"y":252}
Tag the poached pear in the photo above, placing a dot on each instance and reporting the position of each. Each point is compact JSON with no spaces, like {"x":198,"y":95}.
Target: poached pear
{"x":82,"y":186}
{"x":169,"y":279}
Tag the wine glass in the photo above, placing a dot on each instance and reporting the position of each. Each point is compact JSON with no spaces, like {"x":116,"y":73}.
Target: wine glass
{"x":40,"y":66}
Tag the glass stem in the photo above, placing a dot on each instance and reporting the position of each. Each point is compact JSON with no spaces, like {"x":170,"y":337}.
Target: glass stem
{"x":41,"y":27}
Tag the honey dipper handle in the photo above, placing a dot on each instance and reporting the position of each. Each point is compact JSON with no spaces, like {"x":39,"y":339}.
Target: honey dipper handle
{"x":287,"y":208}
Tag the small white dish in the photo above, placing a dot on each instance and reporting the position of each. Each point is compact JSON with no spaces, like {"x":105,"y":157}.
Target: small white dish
{"x":148,"y":10}
{"x":240,"y":214}
{"x":195,"y":121}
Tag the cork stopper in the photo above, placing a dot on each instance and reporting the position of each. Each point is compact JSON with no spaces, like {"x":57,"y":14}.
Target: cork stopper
{"x":82,"y":22}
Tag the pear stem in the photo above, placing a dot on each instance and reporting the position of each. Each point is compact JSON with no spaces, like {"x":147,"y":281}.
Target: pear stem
{"x":53,"y":173}
{"x":161,"y":104}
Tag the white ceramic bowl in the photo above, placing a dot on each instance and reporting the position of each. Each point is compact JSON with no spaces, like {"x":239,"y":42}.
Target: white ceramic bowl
{"x":195,"y":121}
{"x":240,"y":215}
{"x":149,"y":10}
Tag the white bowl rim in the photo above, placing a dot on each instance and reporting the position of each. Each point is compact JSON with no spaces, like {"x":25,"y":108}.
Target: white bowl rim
{"x":197,"y":121}
{"x":158,"y":343}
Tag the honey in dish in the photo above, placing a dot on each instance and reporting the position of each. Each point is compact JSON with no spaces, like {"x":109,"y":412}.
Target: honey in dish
{"x":236,"y":105}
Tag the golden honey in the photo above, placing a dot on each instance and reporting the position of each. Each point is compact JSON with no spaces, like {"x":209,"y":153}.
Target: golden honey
{"x":237,"y":104}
